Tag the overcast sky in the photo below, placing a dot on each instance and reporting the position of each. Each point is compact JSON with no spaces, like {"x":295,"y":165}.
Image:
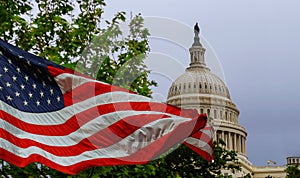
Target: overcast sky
{"x":257,"y":46}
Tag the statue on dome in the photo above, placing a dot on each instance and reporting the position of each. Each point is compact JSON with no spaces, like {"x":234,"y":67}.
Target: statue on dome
{"x":196,"y":28}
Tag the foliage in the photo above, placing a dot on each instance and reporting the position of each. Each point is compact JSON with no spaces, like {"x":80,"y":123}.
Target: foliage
{"x":119,"y":60}
{"x":54,"y":31}
{"x":183,"y":162}
{"x":292,"y":171}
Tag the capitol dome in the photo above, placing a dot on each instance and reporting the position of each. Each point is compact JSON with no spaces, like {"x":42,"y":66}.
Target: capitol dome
{"x":199,"y":88}
{"x":199,"y":81}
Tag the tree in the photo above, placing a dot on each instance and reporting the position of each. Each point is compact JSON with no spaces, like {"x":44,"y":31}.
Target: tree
{"x":68,"y":33}
{"x":54,"y":31}
{"x":292,"y":171}
{"x":183,"y":162}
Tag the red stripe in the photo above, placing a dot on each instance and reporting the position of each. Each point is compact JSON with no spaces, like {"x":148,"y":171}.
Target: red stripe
{"x":82,"y":118}
{"x":80,"y":93}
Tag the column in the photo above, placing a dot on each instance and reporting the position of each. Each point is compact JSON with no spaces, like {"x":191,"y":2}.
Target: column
{"x":234,"y":141}
{"x":245,"y":148}
{"x":238,"y":143}
{"x":223,"y":136}
{"x":230,"y":141}
{"x":242,"y":144}
{"x":226,"y":139}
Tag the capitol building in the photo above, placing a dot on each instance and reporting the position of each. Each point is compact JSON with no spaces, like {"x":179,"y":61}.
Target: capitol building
{"x":199,"y":88}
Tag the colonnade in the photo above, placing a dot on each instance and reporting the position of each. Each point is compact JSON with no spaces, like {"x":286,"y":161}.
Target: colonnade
{"x":234,"y":141}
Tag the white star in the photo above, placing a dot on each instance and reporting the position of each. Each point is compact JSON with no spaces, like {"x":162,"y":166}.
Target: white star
{"x":21,"y":57}
{"x":30,"y":95}
{"x":8,"y":84}
{"x":9,"y":98}
{"x":28,"y":62}
{"x":1,"y":88}
{"x":26,"y":78}
{"x":25,"y":103}
{"x":5,"y":69}
{"x":18,"y":70}
{"x":51,"y":91}
{"x":22,"y":87}
{"x":42,"y":94}
{"x":34,"y":86}
{"x":1,"y":53}
{"x":9,"y":61}
{"x":58,"y":99}
{"x":49,"y":101}
{"x":44,"y":84}
{"x":38,"y":103}
{"x":0,"y":75}
{"x":17,"y":94}
{"x":14,"y":78}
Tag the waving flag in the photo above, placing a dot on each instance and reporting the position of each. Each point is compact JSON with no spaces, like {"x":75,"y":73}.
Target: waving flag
{"x":50,"y":115}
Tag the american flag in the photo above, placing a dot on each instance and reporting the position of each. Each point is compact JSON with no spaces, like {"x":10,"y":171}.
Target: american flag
{"x":51,"y":115}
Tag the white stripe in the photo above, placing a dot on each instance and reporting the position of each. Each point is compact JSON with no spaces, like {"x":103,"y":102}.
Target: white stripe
{"x":87,"y":129}
{"x":127,"y":146}
{"x":68,"y":82}
{"x":209,"y":133}
{"x":199,"y":144}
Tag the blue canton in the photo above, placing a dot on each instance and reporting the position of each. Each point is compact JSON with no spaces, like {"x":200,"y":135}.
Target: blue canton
{"x":25,"y":82}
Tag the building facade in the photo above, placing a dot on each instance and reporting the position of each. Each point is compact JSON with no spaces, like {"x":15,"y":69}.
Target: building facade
{"x":199,"y":88}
